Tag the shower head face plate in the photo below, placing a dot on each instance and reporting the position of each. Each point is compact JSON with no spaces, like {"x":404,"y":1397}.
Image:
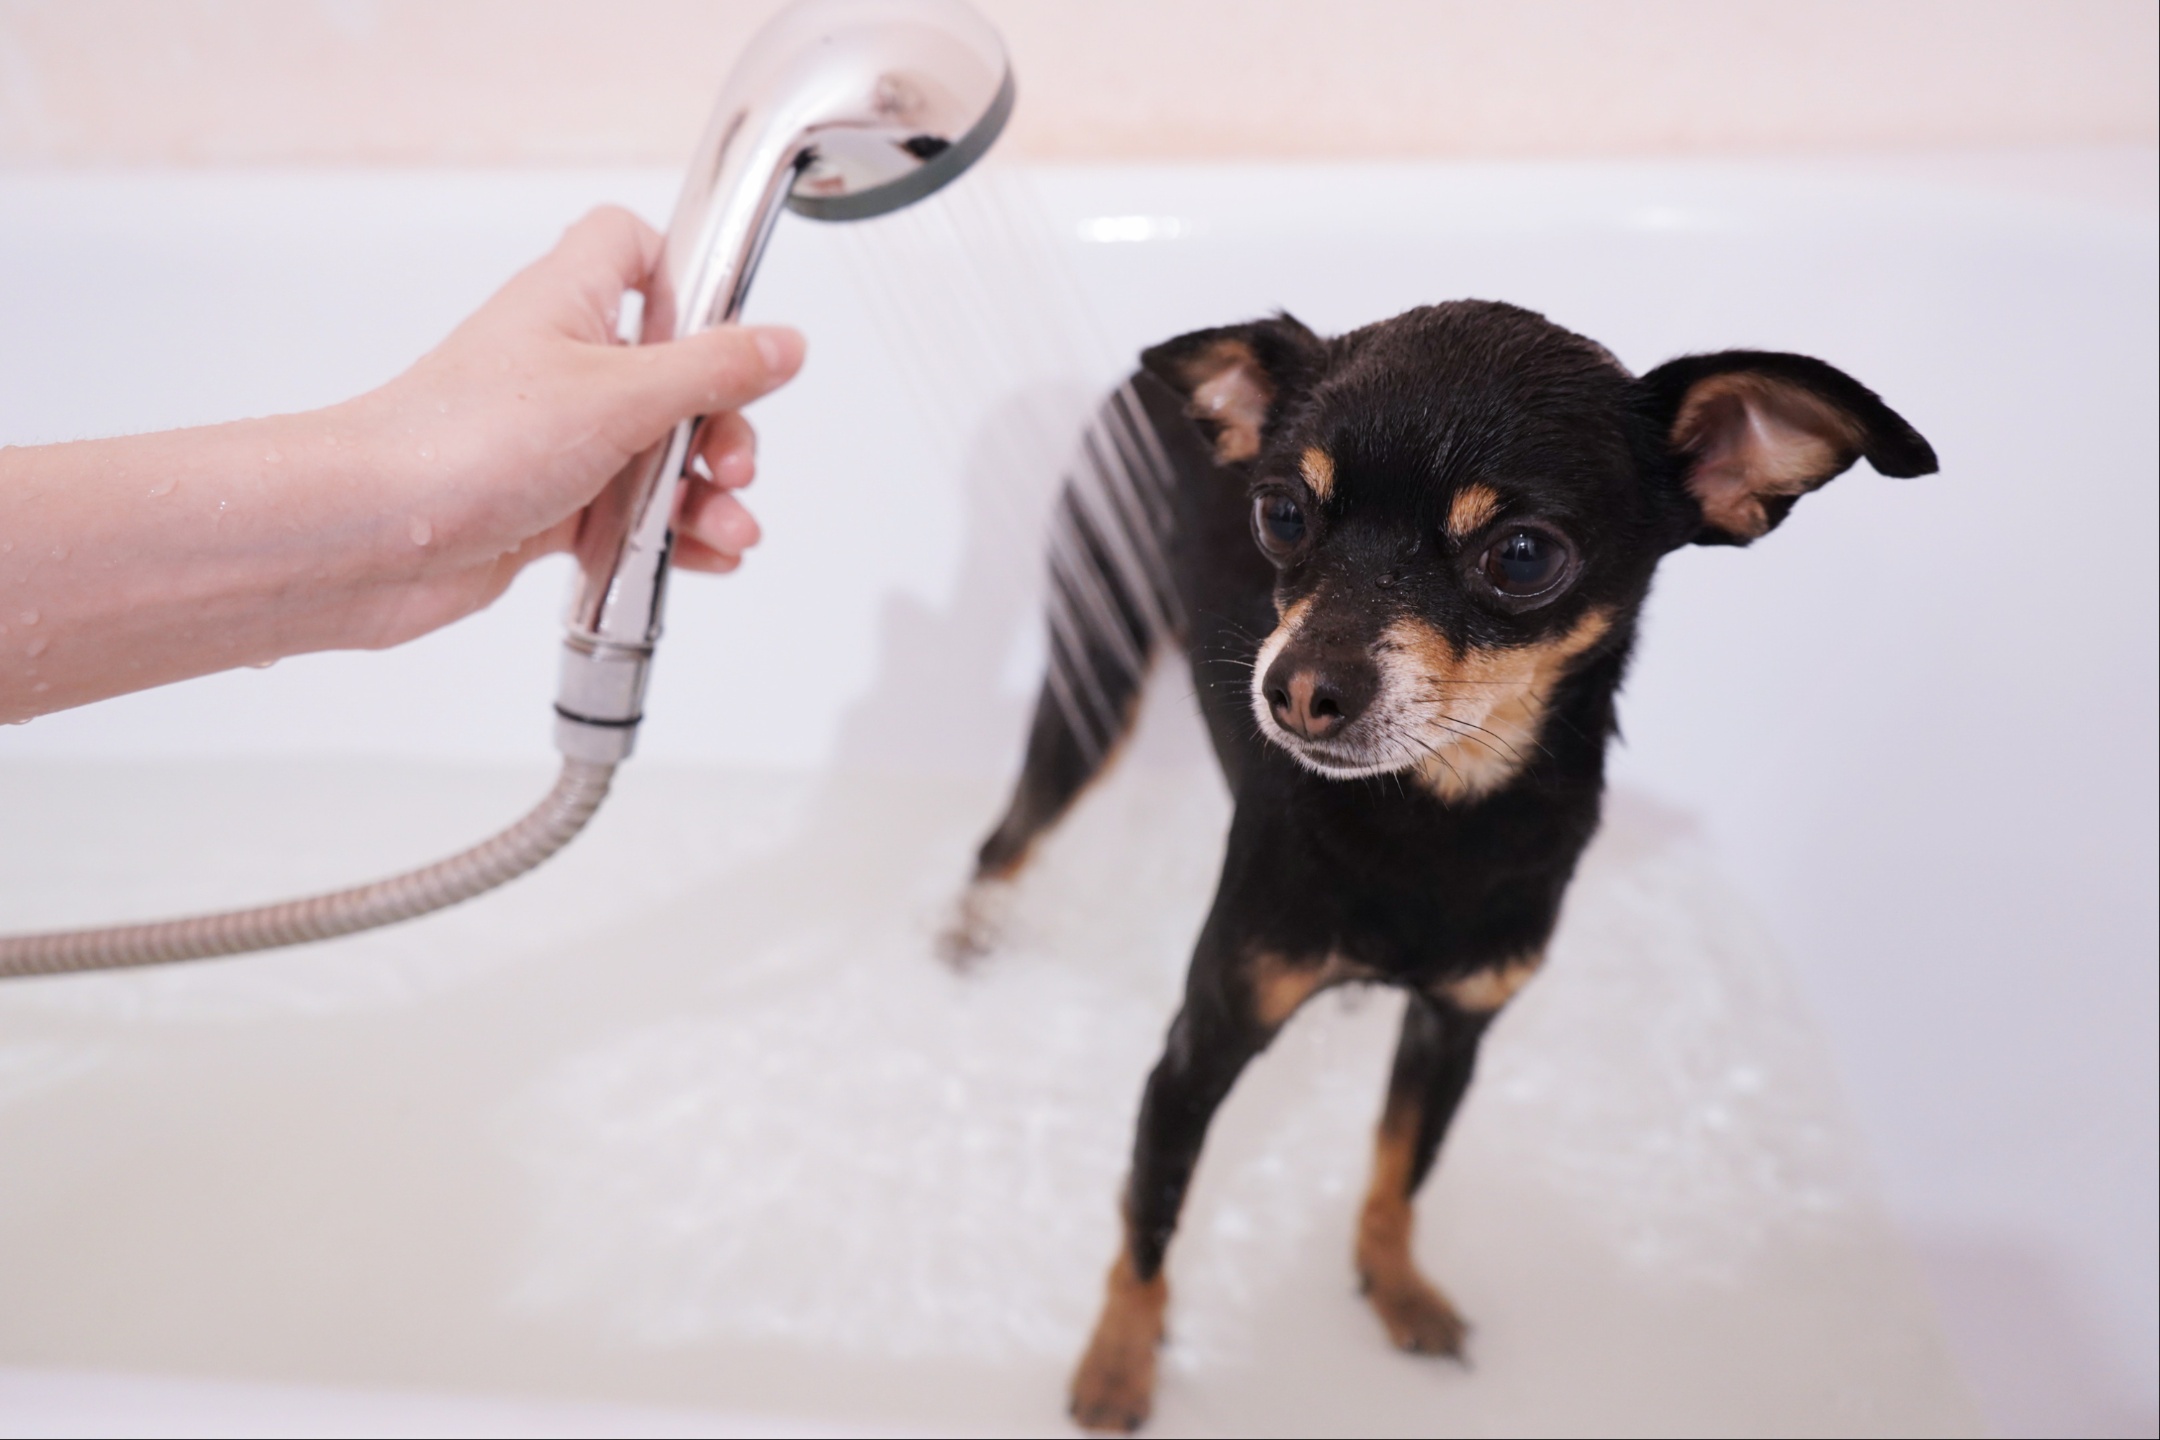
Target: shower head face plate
{"x":853,"y":174}
{"x":837,"y":110}
{"x":882,"y":101}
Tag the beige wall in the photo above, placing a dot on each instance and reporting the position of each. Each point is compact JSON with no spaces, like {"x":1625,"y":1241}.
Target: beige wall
{"x":562,"y":82}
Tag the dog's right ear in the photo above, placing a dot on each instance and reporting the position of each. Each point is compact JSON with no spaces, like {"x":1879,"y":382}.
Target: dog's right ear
{"x":1233,"y":378}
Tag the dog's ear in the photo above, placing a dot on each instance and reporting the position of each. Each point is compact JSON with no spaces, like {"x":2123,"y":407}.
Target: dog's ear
{"x":1752,"y":432}
{"x":1233,"y":378}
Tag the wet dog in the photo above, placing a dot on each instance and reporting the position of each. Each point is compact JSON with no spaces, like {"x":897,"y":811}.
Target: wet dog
{"x":1405,"y":565}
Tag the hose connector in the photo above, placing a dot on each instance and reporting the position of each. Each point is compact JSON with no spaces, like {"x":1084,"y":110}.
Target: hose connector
{"x":601,"y":699}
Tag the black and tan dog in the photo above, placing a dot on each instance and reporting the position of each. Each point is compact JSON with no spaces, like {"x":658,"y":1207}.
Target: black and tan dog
{"x":1406,"y":565}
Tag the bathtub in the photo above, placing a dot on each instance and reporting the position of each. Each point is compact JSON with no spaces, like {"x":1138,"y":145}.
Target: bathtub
{"x":1834,"y":1114}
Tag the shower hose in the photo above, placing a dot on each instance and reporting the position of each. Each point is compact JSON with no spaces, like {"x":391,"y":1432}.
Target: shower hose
{"x":552,"y":824}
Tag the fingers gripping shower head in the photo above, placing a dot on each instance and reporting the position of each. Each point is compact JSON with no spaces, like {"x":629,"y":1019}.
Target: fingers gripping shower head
{"x":838,"y":110}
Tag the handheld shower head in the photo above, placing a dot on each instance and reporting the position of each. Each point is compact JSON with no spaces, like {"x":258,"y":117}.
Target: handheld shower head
{"x":838,"y":110}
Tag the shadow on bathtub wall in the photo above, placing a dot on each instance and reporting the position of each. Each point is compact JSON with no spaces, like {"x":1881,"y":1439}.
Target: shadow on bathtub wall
{"x":956,"y":682}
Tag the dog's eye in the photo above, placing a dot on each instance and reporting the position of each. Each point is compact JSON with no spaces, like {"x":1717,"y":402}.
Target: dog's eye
{"x":1523,"y":564}
{"x":1278,"y":523}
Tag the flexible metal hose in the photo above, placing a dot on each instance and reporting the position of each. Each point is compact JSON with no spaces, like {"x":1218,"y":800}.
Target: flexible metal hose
{"x":552,"y":824}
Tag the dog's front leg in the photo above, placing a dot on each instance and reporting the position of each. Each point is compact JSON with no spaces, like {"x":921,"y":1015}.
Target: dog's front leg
{"x":1433,"y":1061}
{"x":1210,"y":1042}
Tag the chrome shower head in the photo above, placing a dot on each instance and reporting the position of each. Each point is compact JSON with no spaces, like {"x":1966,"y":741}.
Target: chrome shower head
{"x":837,"y":110}
{"x":925,"y":102}
{"x":840,"y":109}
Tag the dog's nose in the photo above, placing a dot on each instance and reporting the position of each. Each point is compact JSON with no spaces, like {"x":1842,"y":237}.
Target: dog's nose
{"x":1310,"y":702}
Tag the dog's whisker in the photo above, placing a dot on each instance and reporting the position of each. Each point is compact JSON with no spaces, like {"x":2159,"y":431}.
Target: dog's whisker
{"x":1478,"y":734}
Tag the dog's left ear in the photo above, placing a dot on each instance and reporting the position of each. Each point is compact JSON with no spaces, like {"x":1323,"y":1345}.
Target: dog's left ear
{"x":1753,"y":431}
{"x":1234,"y":378}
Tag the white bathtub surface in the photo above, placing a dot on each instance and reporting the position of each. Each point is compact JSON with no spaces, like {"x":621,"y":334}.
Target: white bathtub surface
{"x":690,"y":1119}
{"x":695,"y":1120}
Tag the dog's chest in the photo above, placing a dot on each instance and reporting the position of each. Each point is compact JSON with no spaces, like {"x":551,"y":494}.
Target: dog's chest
{"x":1411,"y":892}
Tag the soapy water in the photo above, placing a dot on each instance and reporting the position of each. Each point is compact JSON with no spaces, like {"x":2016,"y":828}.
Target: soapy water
{"x":708,"y":1122}
{"x":742,"y":1170}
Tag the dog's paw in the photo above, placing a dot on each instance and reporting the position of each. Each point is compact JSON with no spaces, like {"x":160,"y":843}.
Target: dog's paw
{"x":1115,"y":1386}
{"x":977,"y":924}
{"x":1417,"y":1316}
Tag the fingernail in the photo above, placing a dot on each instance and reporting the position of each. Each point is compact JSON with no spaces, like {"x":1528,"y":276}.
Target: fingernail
{"x":778,"y":346}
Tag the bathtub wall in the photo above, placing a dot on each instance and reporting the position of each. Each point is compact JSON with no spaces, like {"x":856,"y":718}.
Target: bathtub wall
{"x":553,"y":82}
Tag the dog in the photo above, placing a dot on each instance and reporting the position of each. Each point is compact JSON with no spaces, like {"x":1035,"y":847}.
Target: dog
{"x":1406,"y":566}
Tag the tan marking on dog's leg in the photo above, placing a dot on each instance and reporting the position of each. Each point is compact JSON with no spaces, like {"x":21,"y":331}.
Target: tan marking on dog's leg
{"x":1318,"y":468}
{"x":1472,"y":507}
{"x":1485,"y":991}
{"x":1417,"y":1316}
{"x":1114,"y":1388}
{"x":979,"y":917}
{"x":1280,"y":988}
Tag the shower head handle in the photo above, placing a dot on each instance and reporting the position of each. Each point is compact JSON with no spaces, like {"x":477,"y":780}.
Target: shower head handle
{"x":838,"y":110}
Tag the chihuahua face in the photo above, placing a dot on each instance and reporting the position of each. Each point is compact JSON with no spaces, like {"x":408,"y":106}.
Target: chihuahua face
{"x":1436,"y":570}
{"x":1462,"y":501}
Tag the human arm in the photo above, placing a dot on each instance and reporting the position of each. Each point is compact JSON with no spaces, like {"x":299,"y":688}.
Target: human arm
{"x":141,"y":560}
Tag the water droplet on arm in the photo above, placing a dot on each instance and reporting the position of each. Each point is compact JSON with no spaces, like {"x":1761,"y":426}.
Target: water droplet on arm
{"x":29,"y":617}
{"x":36,"y":647}
{"x":420,"y":530}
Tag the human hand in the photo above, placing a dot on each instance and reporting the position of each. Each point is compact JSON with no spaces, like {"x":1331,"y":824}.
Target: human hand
{"x":504,"y":433}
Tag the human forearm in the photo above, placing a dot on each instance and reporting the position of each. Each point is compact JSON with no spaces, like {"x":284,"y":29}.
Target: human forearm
{"x":138,"y":561}
{"x":146,"y":559}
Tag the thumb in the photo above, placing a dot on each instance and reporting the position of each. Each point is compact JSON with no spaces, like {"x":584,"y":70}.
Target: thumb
{"x":708,"y":373}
